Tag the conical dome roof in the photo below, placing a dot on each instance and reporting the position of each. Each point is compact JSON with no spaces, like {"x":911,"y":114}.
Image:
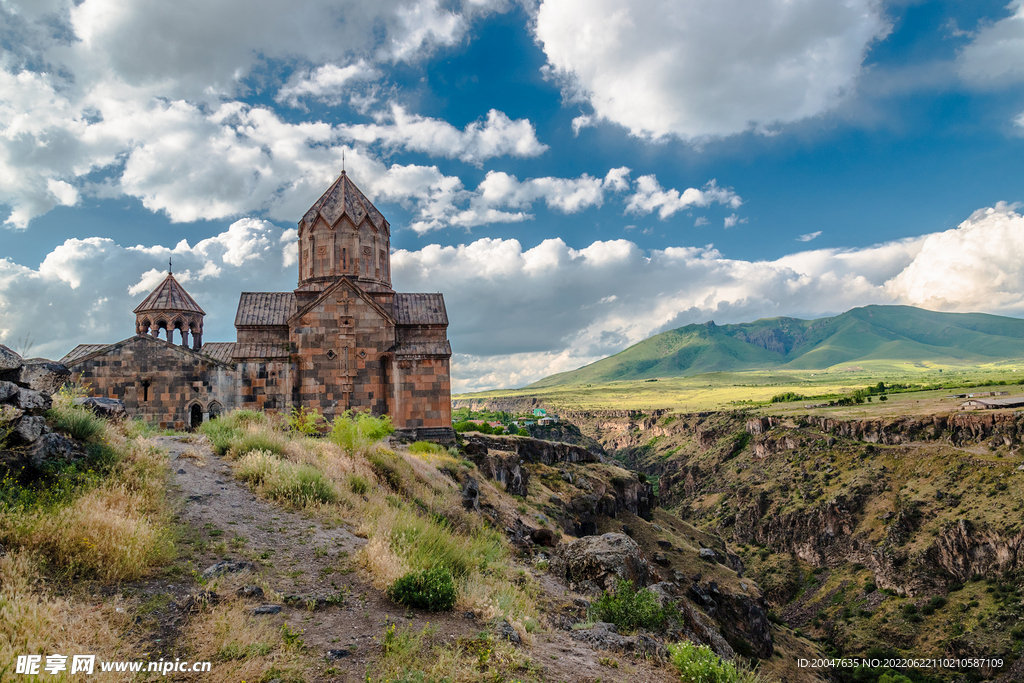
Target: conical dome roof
{"x":169,"y":296}
{"x":344,"y":198}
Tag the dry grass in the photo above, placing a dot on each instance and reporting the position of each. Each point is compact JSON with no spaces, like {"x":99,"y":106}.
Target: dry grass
{"x":241,"y":647}
{"x":32,"y":622}
{"x":115,"y":531}
{"x":410,"y":654}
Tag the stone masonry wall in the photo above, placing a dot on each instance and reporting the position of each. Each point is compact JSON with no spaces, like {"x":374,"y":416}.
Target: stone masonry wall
{"x":423,"y":385}
{"x":341,"y":346}
{"x":159,"y":381}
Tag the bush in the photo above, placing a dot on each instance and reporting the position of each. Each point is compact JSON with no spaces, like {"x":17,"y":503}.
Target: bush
{"x":432,"y":589}
{"x":427,"y":448}
{"x":698,"y":664}
{"x":629,"y":608}
{"x":354,"y":431}
{"x":304,"y":420}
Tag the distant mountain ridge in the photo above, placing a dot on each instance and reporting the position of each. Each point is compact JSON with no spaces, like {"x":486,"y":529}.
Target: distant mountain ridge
{"x":872,"y":333}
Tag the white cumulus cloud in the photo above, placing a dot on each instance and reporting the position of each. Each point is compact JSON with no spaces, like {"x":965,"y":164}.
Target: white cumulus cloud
{"x":498,"y":135}
{"x":995,"y":55}
{"x":697,"y":69}
{"x":650,"y":196}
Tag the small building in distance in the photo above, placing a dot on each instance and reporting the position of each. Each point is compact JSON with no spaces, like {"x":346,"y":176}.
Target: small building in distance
{"x":992,"y":403}
{"x":342,"y":340}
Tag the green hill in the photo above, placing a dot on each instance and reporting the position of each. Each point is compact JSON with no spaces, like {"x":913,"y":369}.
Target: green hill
{"x":893,"y":334}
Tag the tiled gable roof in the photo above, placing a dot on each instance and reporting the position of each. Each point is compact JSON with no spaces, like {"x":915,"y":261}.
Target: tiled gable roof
{"x":219,"y":351}
{"x":420,"y":309}
{"x":81,"y":351}
{"x":265,"y":308}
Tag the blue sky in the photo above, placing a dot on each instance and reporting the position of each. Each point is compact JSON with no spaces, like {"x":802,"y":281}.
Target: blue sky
{"x":574,"y":175}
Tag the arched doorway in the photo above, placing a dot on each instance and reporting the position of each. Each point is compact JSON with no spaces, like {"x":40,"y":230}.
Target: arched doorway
{"x":195,"y":416}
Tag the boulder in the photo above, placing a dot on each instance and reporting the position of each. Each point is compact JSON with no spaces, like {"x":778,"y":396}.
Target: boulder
{"x":606,"y":637}
{"x":598,"y":562}
{"x":507,"y":631}
{"x":9,"y":360}
{"x":28,"y":429}
{"x":544,"y":537}
{"x":471,"y":494}
{"x":664,"y":592}
{"x":45,"y":376}
{"x":7,"y":390}
{"x":53,"y":447}
{"x":110,"y":408}
{"x":31,"y":401}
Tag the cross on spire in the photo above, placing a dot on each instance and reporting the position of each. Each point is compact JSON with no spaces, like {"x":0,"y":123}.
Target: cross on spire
{"x":169,"y":266}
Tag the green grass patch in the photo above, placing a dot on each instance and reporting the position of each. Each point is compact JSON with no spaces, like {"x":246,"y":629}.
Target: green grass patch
{"x":698,"y":664}
{"x":357,"y":431}
{"x":298,"y":485}
{"x":432,"y":589}
{"x":629,"y":608}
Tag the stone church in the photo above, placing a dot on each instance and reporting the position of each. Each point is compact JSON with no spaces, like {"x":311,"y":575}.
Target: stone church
{"x":342,"y":340}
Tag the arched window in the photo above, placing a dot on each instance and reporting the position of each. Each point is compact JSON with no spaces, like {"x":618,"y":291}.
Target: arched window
{"x":215,"y":410}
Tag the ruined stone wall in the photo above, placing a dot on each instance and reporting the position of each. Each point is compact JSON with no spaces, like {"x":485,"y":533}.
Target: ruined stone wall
{"x":158,"y":381}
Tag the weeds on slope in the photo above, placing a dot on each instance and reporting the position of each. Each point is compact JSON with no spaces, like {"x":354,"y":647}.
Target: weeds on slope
{"x":105,"y":517}
{"x":404,"y":501}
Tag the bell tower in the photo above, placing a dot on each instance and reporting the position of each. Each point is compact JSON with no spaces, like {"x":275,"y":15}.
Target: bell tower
{"x":169,"y":307}
{"x":344,"y":235}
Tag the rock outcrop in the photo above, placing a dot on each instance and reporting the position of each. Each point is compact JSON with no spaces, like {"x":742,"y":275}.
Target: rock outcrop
{"x":25,"y":389}
{"x":596,"y":563}
{"x":528,"y":450}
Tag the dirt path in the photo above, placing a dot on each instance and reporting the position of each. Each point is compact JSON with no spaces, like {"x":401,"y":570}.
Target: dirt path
{"x":302,"y":562}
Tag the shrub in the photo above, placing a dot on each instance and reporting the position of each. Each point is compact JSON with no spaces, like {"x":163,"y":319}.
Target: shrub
{"x":432,"y":589}
{"x":427,"y":448}
{"x":354,"y":431}
{"x":698,"y":664}
{"x":304,"y":420}
{"x":629,"y":608}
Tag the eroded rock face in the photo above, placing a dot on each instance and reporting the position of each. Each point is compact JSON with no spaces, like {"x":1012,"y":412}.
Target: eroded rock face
{"x":54,"y":447}
{"x":744,"y":620}
{"x":504,"y":467}
{"x":9,"y":360}
{"x":596,"y":563}
{"x":964,"y":550}
{"x":44,"y":376}
{"x":607,"y":637}
{"x":529,"y":450}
